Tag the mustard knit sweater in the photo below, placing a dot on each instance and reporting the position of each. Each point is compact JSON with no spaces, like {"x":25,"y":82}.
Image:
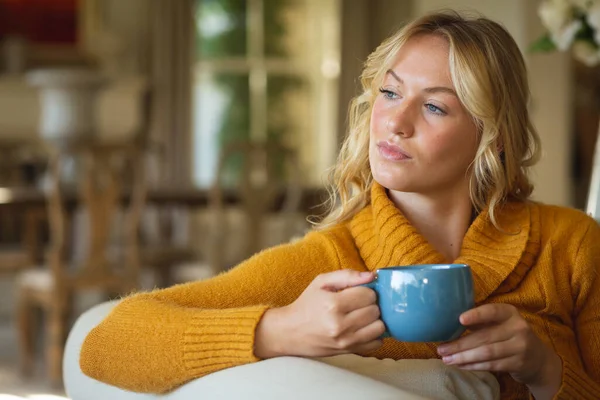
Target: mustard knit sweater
{"x":546,"y":263}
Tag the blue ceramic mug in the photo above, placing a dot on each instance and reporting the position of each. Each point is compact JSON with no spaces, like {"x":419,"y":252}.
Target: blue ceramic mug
{"x":422,"y":303}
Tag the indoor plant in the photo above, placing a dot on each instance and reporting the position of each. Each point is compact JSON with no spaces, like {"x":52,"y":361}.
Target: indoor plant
{"x":571,"y":25}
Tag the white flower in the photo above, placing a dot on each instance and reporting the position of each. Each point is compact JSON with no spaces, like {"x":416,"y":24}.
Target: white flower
{"x":585,"y":52}
{"x":593,"y":19}
{"x":564,"y":37}
{"x":593,"y":16}
{"x":583,"y":4}
{"x":564,"y":19}
{"x":556,"y":14}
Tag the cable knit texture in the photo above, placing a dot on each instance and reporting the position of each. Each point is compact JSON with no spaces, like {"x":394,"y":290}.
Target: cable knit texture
{"x":545,"y":261}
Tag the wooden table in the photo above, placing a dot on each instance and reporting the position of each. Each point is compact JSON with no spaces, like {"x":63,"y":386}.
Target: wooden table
{"x":312,"y":198}
{"x":32,"y":202}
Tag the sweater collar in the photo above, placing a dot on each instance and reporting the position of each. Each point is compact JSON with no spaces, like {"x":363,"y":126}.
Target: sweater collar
{"x":498,"y":259}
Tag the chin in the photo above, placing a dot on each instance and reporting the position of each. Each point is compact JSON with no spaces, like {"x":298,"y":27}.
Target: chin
{"x":393,"y":182}
{"x":393,"y":176}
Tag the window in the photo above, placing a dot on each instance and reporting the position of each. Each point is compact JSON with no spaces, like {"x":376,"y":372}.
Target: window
{"x":266,"y":70}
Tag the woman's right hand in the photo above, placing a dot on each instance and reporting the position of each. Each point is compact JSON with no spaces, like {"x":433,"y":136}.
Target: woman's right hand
{"x":332,"y":316}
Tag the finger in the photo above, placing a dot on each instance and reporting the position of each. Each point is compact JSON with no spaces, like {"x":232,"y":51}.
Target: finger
{"x":481,"y":354}
{"x":342,"y":279}
{"x":478,"y":327}
{"x":358,"y":319}
{"x":366,"y":334}
{"x":355,"y":298}
{"x":487,"y":314}
{"x":370,"y":332}
{"x":366,"y":348}
{"x":508,"y":364}
{"x":488,"y":335}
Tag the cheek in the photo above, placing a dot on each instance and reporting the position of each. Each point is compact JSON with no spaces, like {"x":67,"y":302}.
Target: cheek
{"x":378,"y":119}
{"x":451,"y":148}
{"x":468,"y":143}
{"x":437,"y":149}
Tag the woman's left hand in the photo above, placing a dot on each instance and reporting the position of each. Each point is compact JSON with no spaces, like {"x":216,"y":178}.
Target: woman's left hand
{"x":501,"y":340}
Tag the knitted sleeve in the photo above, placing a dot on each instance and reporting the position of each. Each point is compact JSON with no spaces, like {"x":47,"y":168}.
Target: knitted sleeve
{"x":155,"y":341}
{"x":582,"y":380}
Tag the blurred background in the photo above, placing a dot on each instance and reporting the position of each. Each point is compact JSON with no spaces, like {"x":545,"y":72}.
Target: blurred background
{"x":150,"y":142}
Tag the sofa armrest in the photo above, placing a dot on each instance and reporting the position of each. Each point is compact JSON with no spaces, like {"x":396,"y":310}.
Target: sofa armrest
{"x":289,"y":378}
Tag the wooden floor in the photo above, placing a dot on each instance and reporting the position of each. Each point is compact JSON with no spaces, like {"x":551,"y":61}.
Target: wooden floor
{"x":12,"y":386}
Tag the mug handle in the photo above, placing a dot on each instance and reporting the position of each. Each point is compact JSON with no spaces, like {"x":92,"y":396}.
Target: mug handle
{"x":372,"y":285}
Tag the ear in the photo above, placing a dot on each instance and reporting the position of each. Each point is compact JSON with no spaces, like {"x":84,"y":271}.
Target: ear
{"x":502,"y":157}
{"x":500,"y":147}
{"x":500,"y":150}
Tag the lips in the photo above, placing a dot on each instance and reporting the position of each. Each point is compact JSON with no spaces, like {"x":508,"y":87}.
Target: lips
{"x":392,"y":152}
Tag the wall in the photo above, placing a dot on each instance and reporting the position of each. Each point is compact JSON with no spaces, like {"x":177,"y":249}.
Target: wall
{"x":550,"y":84}
{"x":130,"y":21}
{"x":20,"y":109}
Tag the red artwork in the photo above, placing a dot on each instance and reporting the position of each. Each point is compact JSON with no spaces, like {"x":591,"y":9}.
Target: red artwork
{"x":40,"y":21}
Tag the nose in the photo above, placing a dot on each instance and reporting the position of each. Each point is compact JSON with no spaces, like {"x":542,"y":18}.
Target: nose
{"x":402,"y":119}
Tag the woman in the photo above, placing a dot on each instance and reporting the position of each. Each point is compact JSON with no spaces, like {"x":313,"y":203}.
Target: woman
{"x":433,"y":170}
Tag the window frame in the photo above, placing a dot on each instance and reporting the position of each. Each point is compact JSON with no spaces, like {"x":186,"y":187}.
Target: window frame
{"x":316,"y":151}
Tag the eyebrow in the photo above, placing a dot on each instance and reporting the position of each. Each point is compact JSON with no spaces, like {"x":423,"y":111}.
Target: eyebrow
{"x":434,"y":89}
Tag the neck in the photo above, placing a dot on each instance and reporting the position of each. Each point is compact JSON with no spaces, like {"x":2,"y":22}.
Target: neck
{"x":442,"y":220}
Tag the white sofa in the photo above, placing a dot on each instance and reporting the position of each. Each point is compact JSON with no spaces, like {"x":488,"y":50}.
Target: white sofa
{"x":279,"y":378}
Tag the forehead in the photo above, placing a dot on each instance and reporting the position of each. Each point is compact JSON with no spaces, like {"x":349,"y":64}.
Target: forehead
{"x":424,"y":56}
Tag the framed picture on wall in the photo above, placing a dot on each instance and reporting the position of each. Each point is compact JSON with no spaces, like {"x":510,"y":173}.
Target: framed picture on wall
{"x":52,"y":31}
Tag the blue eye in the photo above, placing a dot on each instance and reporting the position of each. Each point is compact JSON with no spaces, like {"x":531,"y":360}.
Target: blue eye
{"x":388,"y":94}
{"x":434,"y":109}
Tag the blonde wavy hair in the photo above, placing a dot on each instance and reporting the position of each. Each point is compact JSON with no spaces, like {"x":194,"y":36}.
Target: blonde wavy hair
{"x":490,"y":78}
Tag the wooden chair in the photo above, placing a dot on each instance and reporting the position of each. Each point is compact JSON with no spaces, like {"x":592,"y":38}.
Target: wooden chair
{"x":19,"y":228}
{"x":105,"y":171}
{"x":165,"y":242}
{"x":268,"y":179}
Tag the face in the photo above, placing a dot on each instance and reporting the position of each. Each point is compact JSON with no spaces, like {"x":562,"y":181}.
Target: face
{"x":422,"y":140}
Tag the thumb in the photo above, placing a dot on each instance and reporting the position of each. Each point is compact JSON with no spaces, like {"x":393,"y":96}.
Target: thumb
{"x":343,"y":279}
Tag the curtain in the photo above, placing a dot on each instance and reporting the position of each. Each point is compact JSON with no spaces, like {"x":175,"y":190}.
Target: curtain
{"x":171,"y":89}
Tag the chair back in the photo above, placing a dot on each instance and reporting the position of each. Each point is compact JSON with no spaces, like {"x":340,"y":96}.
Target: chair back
{"x":107,"y":185}
{"x":260,"y":178}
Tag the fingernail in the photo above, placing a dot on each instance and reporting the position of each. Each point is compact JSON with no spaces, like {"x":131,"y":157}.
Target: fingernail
{"x":365,"y":274}
{"x":447,"y":359}
{"x":442,"y":350}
